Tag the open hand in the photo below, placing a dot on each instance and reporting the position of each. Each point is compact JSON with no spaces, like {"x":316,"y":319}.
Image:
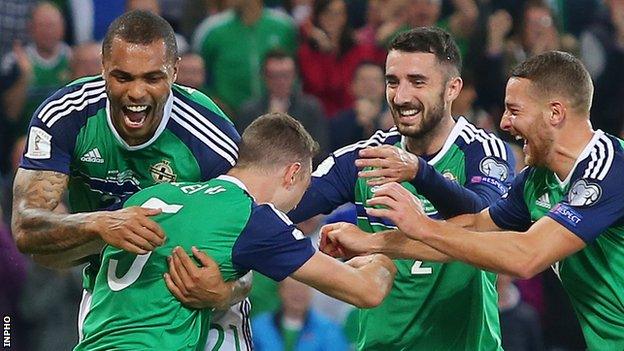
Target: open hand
{"x":197,"y":287}
{"x":129,"y":229}
{"x":390,"y":164}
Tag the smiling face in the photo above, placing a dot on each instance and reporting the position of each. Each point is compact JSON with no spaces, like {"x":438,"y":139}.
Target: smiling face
{"x":138,"y":82}
{"x":415,"y":90}
{"x":525,"y":118}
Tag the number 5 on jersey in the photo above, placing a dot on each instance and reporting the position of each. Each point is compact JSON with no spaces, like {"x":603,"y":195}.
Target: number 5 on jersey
{"x":119,"y":283}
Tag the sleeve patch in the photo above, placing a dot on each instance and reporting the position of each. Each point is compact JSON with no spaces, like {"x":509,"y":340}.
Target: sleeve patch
{"x":39,"y":144}
{"x":567,"y":214}
{"x":492,"y":168}
{"x":584,"y":193}
{"x":492,"y":181}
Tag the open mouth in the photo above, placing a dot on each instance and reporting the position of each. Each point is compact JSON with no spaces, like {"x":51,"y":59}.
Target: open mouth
{"x":525,"y":147}
{"x":135,"y":115}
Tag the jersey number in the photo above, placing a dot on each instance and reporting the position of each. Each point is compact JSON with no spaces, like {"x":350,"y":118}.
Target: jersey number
{"x":221,"y":337}
{"x":417,"y":269}
{"x":118,"y":283}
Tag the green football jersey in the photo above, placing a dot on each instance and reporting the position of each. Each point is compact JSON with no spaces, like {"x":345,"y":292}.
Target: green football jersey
{"x":432,"y":306}
{"x":589,"y":204}
{"x":48,"y":75}
{"x":132,"y":308}
{"x":233,"y":51}
{"x":72,"y":133}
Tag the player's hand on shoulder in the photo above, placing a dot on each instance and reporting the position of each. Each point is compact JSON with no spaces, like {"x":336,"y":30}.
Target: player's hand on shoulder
{"x":129,"y":229}
{"x":343,"y":240}
{"x":197,"y":287}
{"x":389,"y":163}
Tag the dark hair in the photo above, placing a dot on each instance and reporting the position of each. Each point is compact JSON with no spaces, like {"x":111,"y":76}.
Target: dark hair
{"x":368,"y":63}
{"x":557,"y":72}
{"x":277,"y":54}
{"x":275,"y":139}
{"x":429,"y":40}
{"x":346,"y":37}
{"x":141,"y":27}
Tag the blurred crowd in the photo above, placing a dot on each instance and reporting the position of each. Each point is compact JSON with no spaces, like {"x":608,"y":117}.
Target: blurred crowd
{"x":322,"y":62}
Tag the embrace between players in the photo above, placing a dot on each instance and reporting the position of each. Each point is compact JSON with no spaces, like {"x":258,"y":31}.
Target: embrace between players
{"x":231,"y":202}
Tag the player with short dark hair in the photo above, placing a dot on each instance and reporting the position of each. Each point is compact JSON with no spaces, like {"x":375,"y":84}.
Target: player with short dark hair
{"x":450,"y":165}
{"x":102,"y":139}
{"x":565,"y":210}
{"x":237,"y":218}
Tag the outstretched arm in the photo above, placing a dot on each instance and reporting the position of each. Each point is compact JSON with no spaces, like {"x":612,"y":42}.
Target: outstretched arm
{"x":347,"y":240}
{"x":520,"y":254}
{"x":40,"y":231}
{"x":363,"y":281}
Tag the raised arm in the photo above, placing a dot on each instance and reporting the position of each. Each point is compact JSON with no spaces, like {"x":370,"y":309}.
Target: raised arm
{"x":364,"y":281}
{"x":40,"y":231}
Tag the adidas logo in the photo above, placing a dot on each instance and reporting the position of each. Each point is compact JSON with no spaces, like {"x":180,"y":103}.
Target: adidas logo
{"x":544,"y":201}
{"x":92,"y":156}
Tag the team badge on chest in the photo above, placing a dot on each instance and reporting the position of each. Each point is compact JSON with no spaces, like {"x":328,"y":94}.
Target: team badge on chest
{"x":162,"y":172}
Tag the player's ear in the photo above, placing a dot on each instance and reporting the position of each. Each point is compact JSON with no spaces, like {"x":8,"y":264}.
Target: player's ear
{"x":291,"y":173}
{"x":453,"y":87}
{"x":176,"y":65}
{"x":557,"y":113}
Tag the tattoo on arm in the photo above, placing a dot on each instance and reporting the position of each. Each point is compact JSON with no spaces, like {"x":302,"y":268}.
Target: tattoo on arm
{"x":37,"y":229}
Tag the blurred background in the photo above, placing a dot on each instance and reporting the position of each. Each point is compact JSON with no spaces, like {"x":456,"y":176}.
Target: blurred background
{"x":322,"y":62}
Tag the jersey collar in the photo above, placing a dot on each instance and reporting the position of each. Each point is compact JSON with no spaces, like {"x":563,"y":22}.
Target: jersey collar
{"x":450,"y":140}
{"x":159,"y":130}
{"x":233,"y":180}
{"x":584,"y":154}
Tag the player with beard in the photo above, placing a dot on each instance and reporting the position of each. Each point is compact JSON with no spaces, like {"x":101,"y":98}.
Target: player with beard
{"x":102,"y":139}
{"x":565,"y":210}
{"x":453,"y":168}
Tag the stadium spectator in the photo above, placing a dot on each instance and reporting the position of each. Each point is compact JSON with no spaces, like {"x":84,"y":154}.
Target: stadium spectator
{"x":329,"y":56}
{"x":14,"y":17}
{"x":192,"y":72}
{"x":86,"y":60}
{"x":232,"y":44}
{"x":537,"y":33}
{"x":36,"y":69}
{"x":602,"y":49}
{"x":520,"y":324}
{"x":153,"y":6}
{"x":363,"y":118}
{"x":279,"y":73}
{"x":296,"y":326}
{"x":403,"y":15}
{"x":89,"y":19}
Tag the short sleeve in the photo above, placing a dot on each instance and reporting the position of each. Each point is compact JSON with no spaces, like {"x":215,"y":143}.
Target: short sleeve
{"x":592,"y":205}
{"x":270,"y":244}
{"x":53,"y":130}
{"x":489,"y":165}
